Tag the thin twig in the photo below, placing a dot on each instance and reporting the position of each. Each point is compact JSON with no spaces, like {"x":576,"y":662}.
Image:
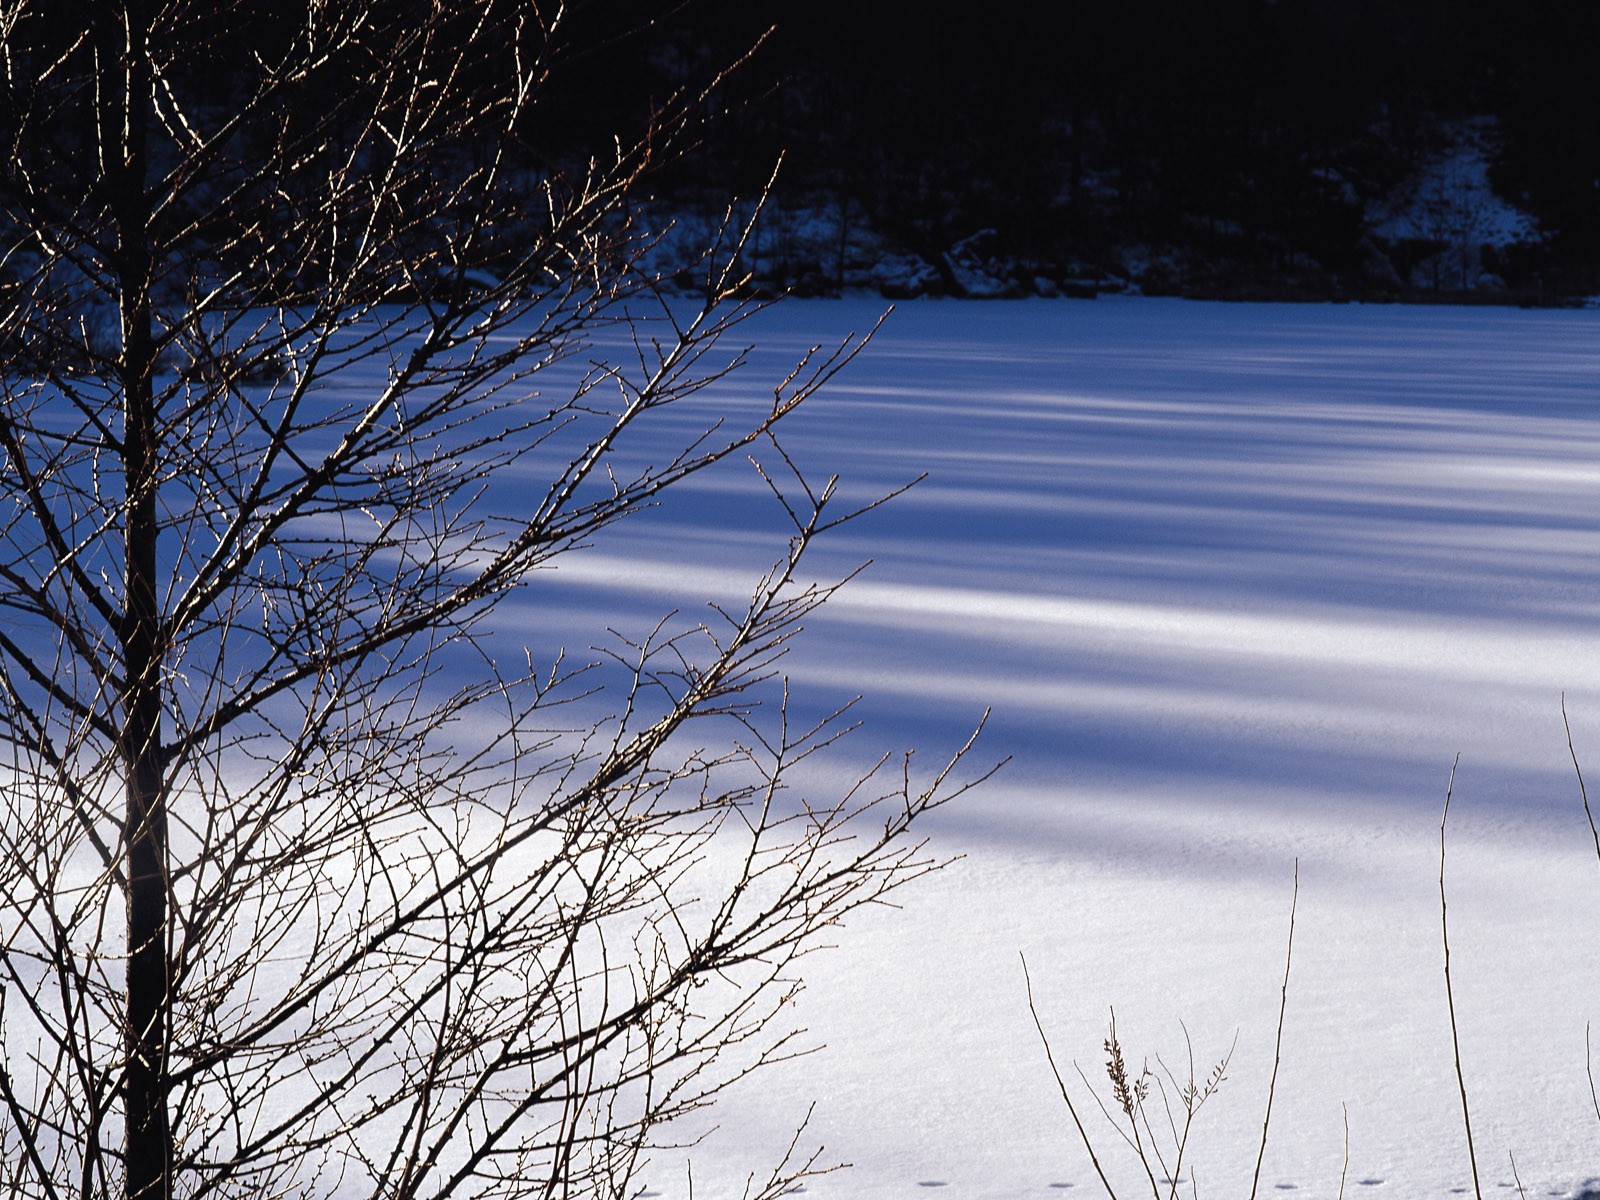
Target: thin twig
{"x":1588,"y":1067}
{"x":1344,"y":1168}
{"x":1520,"y":1193}
{"x":1449,"y":993}
{"x":1061,"y":1083}
{"x":1277,"y":1046}
{"x":1583,"y":791}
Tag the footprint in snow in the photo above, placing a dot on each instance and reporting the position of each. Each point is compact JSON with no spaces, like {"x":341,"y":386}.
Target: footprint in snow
{"x":1061,"y":1185}
{"x":1370,"y":1182}
{"x":1287,"y":1187}
{"x":932,"y":1183}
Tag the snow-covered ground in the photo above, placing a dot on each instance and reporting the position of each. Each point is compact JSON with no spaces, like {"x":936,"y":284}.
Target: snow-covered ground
{"x":1239,"y":582}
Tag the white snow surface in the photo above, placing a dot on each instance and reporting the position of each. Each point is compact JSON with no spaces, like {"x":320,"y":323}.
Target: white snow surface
{"x":1239,"y":582}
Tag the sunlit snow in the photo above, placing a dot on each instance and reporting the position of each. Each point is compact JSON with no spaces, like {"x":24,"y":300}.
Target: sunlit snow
{"x":1239,"y":582}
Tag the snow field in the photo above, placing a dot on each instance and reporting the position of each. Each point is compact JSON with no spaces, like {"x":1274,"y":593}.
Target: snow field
{"x":1239,"y":583}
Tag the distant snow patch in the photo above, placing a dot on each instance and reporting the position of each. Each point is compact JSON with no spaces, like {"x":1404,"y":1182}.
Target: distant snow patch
{"x":1450,"y":202}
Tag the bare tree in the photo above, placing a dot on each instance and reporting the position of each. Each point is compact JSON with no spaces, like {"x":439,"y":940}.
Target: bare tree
{"x":300,"y":893}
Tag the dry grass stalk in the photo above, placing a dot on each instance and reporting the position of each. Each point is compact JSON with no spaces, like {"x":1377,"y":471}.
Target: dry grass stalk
{"x":1582,"y":790}
{"x":1160,"y":1143}
{"x":1061,"y":1084}
{"x":1449,"y":992}
{"x":1344,"y":1167}
{"x":1277,"y":1045}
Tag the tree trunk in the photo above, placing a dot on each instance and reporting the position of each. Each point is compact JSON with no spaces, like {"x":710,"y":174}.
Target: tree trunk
{"x":124,"y":116}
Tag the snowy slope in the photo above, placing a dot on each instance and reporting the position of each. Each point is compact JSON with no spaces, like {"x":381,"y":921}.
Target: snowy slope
{"x":1239,"y":582}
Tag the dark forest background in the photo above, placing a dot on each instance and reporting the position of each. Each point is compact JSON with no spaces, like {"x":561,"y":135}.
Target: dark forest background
{"x":1230,"y":148}
{"x":1226,"y":148}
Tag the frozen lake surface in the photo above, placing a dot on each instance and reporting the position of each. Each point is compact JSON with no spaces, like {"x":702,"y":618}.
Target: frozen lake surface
{"x":1239,"y":583}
